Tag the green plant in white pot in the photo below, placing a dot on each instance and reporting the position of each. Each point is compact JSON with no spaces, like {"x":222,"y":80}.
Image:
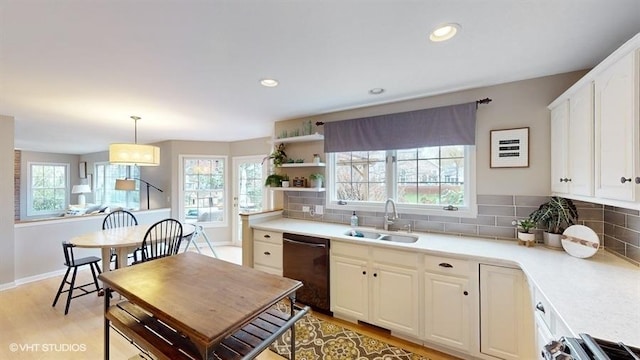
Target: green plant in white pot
{"x":316,"y":180}
{"x":555,"y":216}
{"x":524,"y":231}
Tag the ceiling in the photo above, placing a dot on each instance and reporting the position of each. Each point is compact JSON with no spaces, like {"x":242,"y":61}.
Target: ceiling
{"x":73,"y":72}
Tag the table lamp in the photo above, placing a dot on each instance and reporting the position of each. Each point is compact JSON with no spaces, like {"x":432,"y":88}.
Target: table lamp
{"x":81,"y":190}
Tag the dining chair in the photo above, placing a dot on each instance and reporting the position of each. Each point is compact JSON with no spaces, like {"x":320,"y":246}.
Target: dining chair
{"x":72,"y":263}
{"x":162,"y":239}
{"x":116,"y":219}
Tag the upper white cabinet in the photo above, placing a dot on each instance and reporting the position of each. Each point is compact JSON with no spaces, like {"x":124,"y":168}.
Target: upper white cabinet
{"x":616,"y":132}
{"x":595,"y":133}
{"x":560,"y":148}
{"x":580,"y":136}
{"x":572,"y":144}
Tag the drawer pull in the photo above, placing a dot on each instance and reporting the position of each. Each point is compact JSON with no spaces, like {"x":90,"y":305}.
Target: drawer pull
{"x":267,"y":253}
{"x":445,"y":265}
{"x":267,"y":236}
{"x":540,"y":307}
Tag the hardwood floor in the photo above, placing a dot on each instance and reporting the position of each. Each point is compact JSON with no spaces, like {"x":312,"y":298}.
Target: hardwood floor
{"x":32,"y":329}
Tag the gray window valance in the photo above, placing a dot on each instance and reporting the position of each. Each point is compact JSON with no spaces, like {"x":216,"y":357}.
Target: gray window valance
{"x":441,"y":126}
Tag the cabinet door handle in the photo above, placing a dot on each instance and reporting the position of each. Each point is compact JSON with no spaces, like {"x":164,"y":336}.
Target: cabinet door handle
{"x":466,"y":293}
{"x":540,"y":307}
{"x":637,"y":179}
{"x":624,"y":179}
{"x":375,"y":274}
{"x":267,"y":253}
{"x":445,"y":265}
{"x":364,"y":272}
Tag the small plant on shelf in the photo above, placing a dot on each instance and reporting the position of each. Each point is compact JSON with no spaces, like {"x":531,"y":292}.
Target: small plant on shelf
{"x":278,"y":156}
{"x":316,"y":180}
{"x":273,"y":180}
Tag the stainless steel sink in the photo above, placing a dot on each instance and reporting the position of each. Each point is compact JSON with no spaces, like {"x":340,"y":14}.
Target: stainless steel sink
{"x":381,"y":236}
{"x":363,"y":234}
{"x":398,"y":238}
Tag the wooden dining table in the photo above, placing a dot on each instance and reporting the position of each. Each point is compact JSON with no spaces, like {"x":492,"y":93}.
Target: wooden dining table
{"x":123,"y":240}
{"x":198,"y":305}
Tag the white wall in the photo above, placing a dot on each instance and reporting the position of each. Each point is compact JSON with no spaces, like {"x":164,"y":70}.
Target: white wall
{"x":517,"y":104}
{"x":38,"y":253}
{"x":7,"y":245}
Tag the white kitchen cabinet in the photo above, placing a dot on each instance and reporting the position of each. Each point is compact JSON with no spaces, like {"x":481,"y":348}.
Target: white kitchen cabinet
{"x":267,"y":251}
{"x":394,"y":285}
{"x":580,"y":142}
{"x":560,"y":148}
{"x":505,"y":332}
{"x":349,"y":287}
{"x":376,"y":285}
{"x":616,"y":129}
{"x":448,"y":302}
{"x":572,"y":144}
{"x":595,"y":133}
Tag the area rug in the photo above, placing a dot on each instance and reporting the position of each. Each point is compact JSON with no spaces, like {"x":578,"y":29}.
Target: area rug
{"x":319,"y":339}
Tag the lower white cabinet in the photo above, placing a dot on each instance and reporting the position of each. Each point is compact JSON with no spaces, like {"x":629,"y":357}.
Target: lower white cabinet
{"x":448,"y":302}
{"x":267,"y":251}
{"x":376,"y":285}
{"x":506,"y":331}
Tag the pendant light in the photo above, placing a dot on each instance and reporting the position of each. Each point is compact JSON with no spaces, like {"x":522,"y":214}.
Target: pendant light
{"x":134,"y":154}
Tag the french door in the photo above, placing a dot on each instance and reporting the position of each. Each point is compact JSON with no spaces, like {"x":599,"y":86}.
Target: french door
{"x":249,"y":194}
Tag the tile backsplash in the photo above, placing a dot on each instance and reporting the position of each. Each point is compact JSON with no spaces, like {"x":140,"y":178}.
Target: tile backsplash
{"x":618,"y":228}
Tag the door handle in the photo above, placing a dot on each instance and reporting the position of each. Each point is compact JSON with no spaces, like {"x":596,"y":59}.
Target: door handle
{"x":304,"y":243}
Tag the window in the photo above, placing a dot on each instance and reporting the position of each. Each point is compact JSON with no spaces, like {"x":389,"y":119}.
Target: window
{"x":105,"y":176}
{"x":48,"y":188}
{"x":424,"y":179}
{"x":204,"y":194}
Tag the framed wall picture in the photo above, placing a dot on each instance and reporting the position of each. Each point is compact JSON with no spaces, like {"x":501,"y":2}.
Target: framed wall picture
{"x":82,"y":169}
{"x":510,"y":148}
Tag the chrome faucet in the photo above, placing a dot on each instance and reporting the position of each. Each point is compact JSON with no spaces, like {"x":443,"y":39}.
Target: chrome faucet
{"x":389,"y":220}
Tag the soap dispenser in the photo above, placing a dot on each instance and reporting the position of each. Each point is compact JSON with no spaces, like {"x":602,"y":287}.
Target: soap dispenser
{"x":354,"y":220}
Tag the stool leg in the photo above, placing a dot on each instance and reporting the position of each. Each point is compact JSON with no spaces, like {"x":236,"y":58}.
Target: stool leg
{"x":73,"y":283}
{"x":64,"y":281}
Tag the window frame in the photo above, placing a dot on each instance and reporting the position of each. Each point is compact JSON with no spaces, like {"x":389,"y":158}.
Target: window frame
{"x":67,"y":187}
{"x":181,"y":190}
{"x":130,"y":203}
{"x":470,"y":210}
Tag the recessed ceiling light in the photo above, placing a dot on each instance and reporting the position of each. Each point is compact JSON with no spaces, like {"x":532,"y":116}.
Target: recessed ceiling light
{"x":269,"y":82}
{"x":444,"y":32}
{"x":376,"y":91}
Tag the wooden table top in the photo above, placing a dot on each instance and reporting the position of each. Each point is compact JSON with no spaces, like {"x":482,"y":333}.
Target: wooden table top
{"x":204,"y":298}
{"x":116,"y":237}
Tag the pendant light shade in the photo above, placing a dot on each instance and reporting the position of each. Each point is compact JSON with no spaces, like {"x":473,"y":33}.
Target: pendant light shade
{"x":134,"y":154}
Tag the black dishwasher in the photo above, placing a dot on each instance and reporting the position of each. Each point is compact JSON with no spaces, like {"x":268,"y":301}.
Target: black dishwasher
{"x":306,"y":258}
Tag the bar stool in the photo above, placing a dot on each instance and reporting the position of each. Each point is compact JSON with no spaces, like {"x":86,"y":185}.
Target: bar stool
{"x":72,"y":263}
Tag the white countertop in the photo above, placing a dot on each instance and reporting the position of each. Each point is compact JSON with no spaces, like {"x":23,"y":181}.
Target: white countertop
{"x":599,"y":296}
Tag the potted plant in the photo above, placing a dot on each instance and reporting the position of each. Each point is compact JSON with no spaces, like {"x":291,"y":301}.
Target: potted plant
{"x":273,"y":180}
{"x":316,"y":180}
{"x":525,"y":235}
{"x":278,"y":156}
{"x":555,"y":216}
